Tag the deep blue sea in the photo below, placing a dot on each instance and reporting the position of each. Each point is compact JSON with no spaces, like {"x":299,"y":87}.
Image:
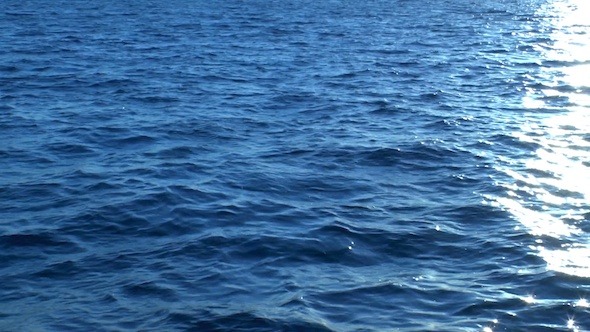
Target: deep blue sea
{"x":296,"y":165}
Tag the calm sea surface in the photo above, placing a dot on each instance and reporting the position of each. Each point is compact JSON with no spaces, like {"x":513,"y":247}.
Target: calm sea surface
{"x":295,"y":165}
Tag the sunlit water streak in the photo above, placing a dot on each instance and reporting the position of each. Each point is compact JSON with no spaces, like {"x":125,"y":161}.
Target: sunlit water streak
{"x":549,"y":193}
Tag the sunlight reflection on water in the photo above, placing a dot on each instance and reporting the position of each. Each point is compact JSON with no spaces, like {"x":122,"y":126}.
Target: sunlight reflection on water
{"x":550,"y":193}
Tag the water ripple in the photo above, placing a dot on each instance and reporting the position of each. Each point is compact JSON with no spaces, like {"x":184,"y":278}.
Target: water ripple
{"x":227,"y":167}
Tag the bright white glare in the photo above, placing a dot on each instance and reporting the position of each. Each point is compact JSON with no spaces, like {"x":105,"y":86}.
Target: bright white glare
{"x":582,"y":303}
{"x":529,"y":299}
{"x":572,"y":261}
{"x":550,"y":193}
{"x":538,"y":223}
{"x":571,"y":324}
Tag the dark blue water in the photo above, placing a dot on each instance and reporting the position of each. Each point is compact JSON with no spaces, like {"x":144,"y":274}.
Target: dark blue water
{"x":295,"y":165}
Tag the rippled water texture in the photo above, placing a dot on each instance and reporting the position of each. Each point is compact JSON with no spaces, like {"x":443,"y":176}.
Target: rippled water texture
{"x":295,"y":165}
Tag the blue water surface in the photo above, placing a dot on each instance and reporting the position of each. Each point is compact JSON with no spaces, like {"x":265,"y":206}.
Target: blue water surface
{"x":294,"y":165}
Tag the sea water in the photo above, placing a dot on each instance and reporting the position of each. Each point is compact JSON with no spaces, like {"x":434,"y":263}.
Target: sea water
{"x":295,"y":165}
